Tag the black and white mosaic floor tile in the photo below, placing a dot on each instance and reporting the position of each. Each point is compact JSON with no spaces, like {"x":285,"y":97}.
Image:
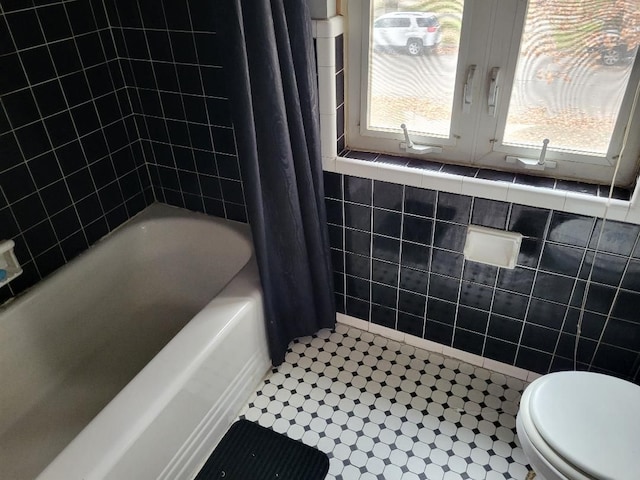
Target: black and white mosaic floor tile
{"x":385,"y":410}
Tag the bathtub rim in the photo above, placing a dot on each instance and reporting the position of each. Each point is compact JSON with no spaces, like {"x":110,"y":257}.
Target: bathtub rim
{"x":154,"y":211}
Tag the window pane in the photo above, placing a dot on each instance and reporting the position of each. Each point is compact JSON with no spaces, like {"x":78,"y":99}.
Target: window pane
{"x":573,"y":69}
{"x":414,"y":54}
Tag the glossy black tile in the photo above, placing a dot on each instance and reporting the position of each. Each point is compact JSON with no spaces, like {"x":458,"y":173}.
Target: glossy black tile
{"x":425,"y":165}
{"x":358,"y":190}
{"x":357,"y":241}
{"x":446,"y":263}
{"x":570,"y":229}
{"x":592,"y":323}
{"x":37,"y":64}
{"x":413,"y":280}
{"x":450,"y":236}
{"x":417,"y":229}
{"x":29,"y":211}
{"x":534,"y":181}
{"x":475,"y":295}
{"x":534,"y":360}
{"x":441,"y":311}
{"x":539,"y":338}
{"x":545,"y":313}
{"x":411,"y":324}
{"x":621,"y":333}
{"x":357,"y":216}
{"x":60,"y":128}
{"x":420,"y":202}
{"x":472,"y":319}
{"x":510,"y":304}
{"x":387,"y":223}
{"x":411,"y":302}
{"x":357,"y":308}
{"x":518,"y":280}
{"x":66,"y":222}
{"x":383,"y":316}
{"x":615,"y":359}
{"x":387,"y":195}
{"x":490,"y":213}
{"x":392,"y":160}
{"x":357,"y":265}
{"x":81,"y":17}
{"x":468,"y":341}
{"x":453,"y":208}
{"x":6,"y":44}
{"x":607,"y":269}
{"x":561,"y":259}
{"x":337,"y":256}
{"x":384,"y":272}
{"x":90,"y":49}
{"x":21,"y":108}
{"x":529,"y":221}
{"x":33,"y":139}
{"x":631,"y":280}
{"x":360,"y":155}
{"x":499,"y":350}
{"x":17,"y":182}
{"x":385,"y":248}
{"x":415,"y":255}
{"x":339,"y":52}
{"x":358,"y":287}
{"x":15,"y":77}
{"x":496,"y":175}
{"x":617,"y":237}
{"x":384,"y":295}
{"x":566,"y":348}
{"x":438,"y":332}
{"x":626,"y":305}
{"x":599,"y":297}
{"x":553,"y":287}
{"x":480,"y":273}
{"x":504,"y":328}
{"x":445,"y":288}
{"x":25,"y":28}
{"x":579,"y":187}
{"x":340,"y":88}
{"x":50,"y":98}
{"x":459,"y":170}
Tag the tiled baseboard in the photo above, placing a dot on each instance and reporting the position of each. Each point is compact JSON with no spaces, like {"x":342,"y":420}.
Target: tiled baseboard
{"x":445,"y":350}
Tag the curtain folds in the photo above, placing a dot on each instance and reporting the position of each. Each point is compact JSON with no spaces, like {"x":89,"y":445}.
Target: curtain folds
{"x":269,"y":62}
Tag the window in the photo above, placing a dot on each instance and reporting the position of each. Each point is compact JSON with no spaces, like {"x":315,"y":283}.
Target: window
{"x":485,"y":83}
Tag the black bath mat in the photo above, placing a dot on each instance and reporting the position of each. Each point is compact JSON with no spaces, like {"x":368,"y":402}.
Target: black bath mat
{"x":251,"y":452}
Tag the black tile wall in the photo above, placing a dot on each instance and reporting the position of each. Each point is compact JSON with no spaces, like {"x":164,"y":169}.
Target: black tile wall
{"x":172,"y":70}
{"x":107,"y":107}
{"x":398,"y":263}
{"x":70,"y":171}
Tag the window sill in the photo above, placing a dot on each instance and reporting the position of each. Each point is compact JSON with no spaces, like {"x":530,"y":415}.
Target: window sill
{"x":329,"y":69}
{"x":561,"y":200}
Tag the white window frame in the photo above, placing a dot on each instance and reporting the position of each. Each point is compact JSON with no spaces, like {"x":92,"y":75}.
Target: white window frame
{"x":325,"y":30}
{"x":474,"y":140}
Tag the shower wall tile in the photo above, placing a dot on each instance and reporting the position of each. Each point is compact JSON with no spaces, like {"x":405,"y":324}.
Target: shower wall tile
{"x":171,"y":57}
{"x":398,"y":251}
{"x":70,"y":170}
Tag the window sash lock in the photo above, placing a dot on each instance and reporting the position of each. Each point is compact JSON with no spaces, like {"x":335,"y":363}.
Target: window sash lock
{"x":411,"y":147}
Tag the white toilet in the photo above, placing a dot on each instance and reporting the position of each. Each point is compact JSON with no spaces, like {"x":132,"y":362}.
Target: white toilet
{"x":581,"y":426}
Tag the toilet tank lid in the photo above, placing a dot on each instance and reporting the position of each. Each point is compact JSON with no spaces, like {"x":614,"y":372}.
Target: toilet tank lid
{"x":591,"y":420}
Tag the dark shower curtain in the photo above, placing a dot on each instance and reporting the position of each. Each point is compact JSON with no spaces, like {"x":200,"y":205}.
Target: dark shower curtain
{"x":270,"y":69}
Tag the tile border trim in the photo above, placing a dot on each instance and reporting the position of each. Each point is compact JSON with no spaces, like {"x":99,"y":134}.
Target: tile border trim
{"x":433,"y":347}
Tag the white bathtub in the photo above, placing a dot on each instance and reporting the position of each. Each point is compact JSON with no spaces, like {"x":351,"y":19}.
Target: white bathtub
{"x":132,"y":361}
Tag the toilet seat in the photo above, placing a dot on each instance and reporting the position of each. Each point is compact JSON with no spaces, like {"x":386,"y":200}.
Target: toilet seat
{"x":585,"y":424}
